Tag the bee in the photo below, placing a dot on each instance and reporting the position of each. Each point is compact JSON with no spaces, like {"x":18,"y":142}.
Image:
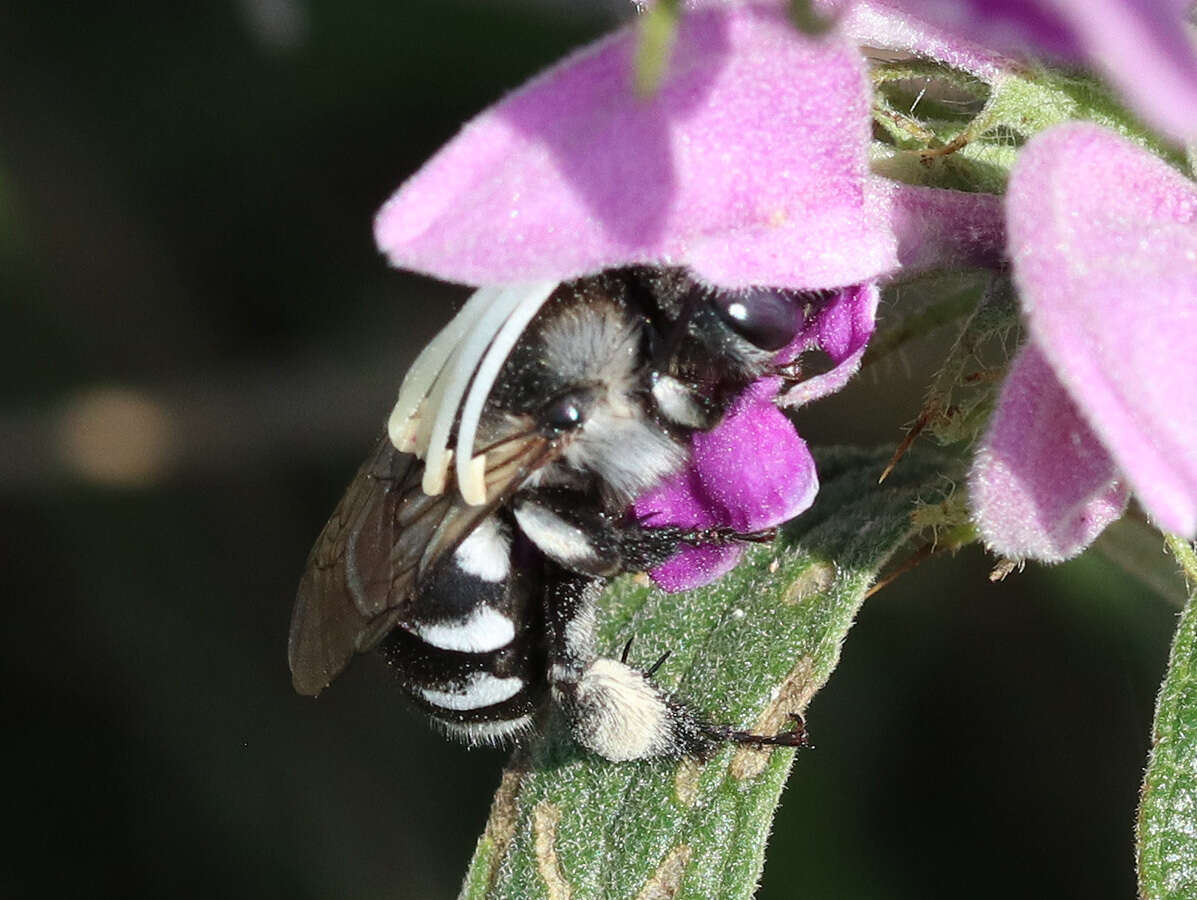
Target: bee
{"x":475,"y":568}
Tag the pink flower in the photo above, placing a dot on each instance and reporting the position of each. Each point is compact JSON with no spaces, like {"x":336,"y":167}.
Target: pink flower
{"x":748,"y":166}
{"x":752,"y":471}
{"x":1103,"y":237}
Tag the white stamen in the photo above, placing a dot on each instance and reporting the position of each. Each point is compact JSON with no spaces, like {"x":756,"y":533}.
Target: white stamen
{"x":429,"y":364}
{"x":473,"y":483}
{"x":529,"y":299}
{"x":451,"y":384}
{"x":404,"y":436}
{"x":434,"y":478}
{"x":423,"y":420}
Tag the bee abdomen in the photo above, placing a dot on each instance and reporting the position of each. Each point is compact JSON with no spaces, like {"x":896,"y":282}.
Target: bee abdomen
{"x":486,"y":696}
{"x":483,"y":630}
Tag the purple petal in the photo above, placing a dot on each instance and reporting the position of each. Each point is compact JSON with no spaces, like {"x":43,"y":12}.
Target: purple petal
{"x":840,"y":327}
{"x":1104,"y":241}
{"x":750,"y":472}
{"x":1042,"y":486}
{"x":1145,"y":49}
{"x":1142,"y":46}
{"x":693,"y":567}
{"x":1002,"y":25}
{"x":886,"y":26}
{"x":939,"y":228}
{"x":748,"y":165}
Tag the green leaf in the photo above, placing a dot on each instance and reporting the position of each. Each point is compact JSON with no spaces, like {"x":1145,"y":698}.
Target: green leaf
{"x":747,"y":651}
{"x":1167,"y":832}
{"x":923,"y":305}
{"x":923,"y":140}
{"x":1031,"y":101}
{"x":963,"y":393}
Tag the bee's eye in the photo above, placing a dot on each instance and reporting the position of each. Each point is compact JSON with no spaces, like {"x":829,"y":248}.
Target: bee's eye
{"x":564,"y":413}
{"x":766,"y":319}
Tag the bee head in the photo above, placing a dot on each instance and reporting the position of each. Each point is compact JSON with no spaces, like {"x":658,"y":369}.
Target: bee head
{"x":766,"y":319}
{"x":584,"y":381}
{"x":600,"y":378}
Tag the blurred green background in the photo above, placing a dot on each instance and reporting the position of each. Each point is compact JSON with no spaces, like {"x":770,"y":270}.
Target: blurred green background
{"x":199,"y":345}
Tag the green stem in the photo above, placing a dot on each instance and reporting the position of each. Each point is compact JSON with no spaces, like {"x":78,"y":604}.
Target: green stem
{"x":1167,"y":824}
{"x":1185,"y":555}
{"x":654,"y":46}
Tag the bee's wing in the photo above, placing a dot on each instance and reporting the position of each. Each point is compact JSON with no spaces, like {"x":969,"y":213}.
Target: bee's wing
{"x":381,"y":539}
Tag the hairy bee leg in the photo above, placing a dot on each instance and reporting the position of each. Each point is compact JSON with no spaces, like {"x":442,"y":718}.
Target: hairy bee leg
{"x":809,"y":364}
{"x":582,"y":538}
{"x":796,"y":737}
{"x":717,"y":536}
{"x":612,"y":709}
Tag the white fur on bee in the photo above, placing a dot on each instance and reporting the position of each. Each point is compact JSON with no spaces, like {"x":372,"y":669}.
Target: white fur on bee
{"x":627,"y":450}
{"x":595,"y":344}
{"x":479,"y":690}
{"x":490,"y":734}
{"x":579,"y":632}
{"x":486,"y":551}
{"x":620,"y":714}
{"x":678,"y":403}
{"x":483,"y":631}
{"x":555,"y":537}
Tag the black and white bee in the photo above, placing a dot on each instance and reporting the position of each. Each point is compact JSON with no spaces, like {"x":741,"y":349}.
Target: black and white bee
{"x":475,"y":568}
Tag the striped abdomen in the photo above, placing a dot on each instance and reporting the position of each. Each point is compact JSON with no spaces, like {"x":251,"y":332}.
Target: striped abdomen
{"x":470,"y":650}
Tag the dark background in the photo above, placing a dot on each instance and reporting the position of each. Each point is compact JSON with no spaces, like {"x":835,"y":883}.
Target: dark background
{"x":199,"y":343}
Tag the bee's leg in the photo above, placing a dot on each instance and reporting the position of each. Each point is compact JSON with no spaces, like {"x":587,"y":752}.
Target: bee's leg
{"x":807,"y":365}
{"x":797,"y":737}
{"x":613,"y":709}
{"x":574,"y":532}
{"x":707,"y":536}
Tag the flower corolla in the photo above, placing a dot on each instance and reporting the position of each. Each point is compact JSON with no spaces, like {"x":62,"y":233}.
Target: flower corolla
{"x":1101,"y":402}
{"x":748,"y":166}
